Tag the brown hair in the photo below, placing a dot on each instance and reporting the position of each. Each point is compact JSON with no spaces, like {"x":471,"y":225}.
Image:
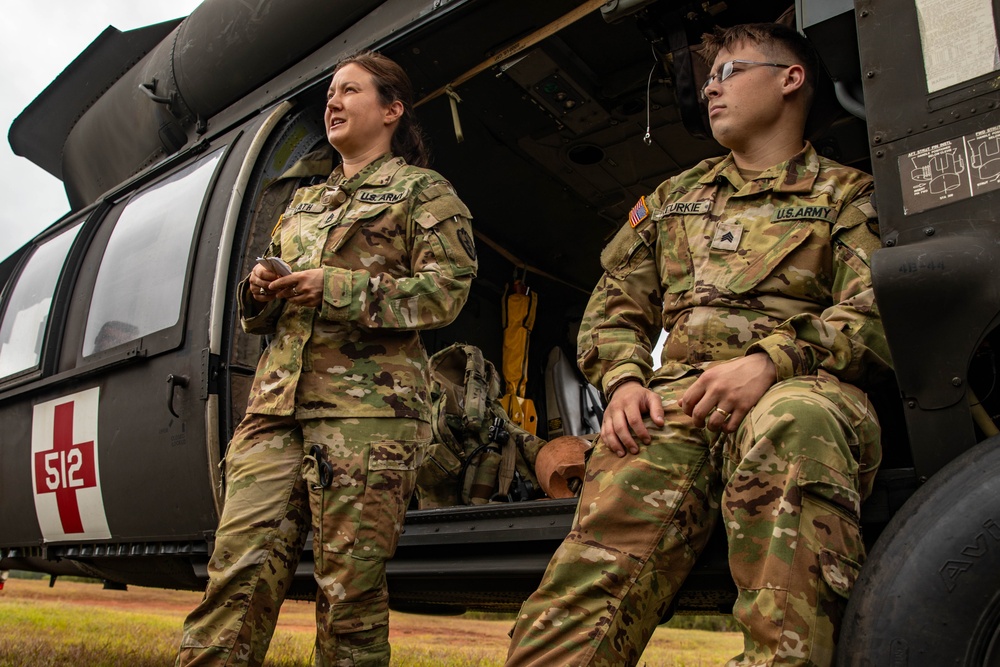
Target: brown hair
{"x":776,"y":41}
{"x":392,"y":84}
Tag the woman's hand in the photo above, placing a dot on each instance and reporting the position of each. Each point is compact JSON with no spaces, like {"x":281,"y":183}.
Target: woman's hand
{"x":303,"y":288}
{"x":260,"y":279}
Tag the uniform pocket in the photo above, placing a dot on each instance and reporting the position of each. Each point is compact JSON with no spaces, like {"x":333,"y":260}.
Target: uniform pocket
{"x":437,"y":477}
{"x":353,"y":219}
{"x":627,"y":250}
{"x":767,"y":253}
{"x":829,"y":532}
{"x":829,"y":487}
{"x":676,"y":265}
{"x":453,"y":240}
{"x":392,"y":467}
{"x":292,"y":245}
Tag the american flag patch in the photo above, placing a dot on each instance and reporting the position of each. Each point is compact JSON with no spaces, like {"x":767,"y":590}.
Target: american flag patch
{"x":638,"y":212}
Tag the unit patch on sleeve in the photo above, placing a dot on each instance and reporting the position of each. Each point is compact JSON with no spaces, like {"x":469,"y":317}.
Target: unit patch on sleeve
{"x":467,"y":244}
{"x":638,"y":212}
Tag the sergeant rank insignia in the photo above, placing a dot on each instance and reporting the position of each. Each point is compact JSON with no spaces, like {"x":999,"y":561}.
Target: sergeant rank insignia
{"x":638,"y":212}
{"x":727,"y":236}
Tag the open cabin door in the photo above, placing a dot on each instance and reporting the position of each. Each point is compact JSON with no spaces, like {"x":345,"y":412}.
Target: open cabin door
{"x":288,"y":135}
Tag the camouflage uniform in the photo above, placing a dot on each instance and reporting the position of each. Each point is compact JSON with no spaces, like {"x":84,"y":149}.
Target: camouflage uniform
{"x":340,"y":397}
{"x":778,"y":265}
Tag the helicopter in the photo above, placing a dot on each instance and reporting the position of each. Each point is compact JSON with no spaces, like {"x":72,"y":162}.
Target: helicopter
{"x":124,"y":370}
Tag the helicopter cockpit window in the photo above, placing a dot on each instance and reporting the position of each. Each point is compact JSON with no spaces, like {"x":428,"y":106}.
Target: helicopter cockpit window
{"x":140,"y":286}
{"x":23,"y":326}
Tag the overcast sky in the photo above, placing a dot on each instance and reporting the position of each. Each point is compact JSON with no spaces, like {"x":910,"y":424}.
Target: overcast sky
{"x":38,"y":39}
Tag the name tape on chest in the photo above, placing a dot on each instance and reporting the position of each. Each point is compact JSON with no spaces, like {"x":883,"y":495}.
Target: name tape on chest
{"x":826,"y":213}
{"x":684,"y":208}
{"x":381,"y":197}
{"x":303,"y":207}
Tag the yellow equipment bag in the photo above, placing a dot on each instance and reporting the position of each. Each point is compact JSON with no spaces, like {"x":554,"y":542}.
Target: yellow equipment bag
{"x":519,"y":307}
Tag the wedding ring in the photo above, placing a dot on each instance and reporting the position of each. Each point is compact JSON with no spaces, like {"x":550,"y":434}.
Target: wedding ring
{"x":295,"y":291}
{"x":725,"y":415}
{"x":262,"y":291}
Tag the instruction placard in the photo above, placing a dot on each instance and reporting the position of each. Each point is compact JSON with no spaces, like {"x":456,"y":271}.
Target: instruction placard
{"x":950,"y":171}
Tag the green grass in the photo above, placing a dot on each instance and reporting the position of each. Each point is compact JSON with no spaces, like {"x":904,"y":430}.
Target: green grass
{"x":37,"y":633}
{"x":81,"y":625}
{"x":56,"y":635}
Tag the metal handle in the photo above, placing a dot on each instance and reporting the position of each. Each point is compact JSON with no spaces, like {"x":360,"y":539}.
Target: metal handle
{"x":174,"y":381}
{"x":150,"y":90}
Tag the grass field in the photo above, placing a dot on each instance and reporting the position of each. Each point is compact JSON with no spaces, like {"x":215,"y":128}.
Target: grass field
{"x":81,"y":625}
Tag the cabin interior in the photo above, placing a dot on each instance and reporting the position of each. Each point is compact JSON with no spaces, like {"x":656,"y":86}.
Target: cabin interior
{"x":557,"y":144}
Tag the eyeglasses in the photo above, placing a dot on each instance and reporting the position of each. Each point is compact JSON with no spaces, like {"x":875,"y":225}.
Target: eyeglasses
{"x":727,"y":71}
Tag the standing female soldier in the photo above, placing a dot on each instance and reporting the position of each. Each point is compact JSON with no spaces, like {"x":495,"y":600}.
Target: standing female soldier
{"x":339,"y":411}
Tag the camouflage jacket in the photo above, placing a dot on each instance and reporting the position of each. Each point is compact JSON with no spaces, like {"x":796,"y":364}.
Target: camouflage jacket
{"x":779,"y":265}
{"x":395,"y":245}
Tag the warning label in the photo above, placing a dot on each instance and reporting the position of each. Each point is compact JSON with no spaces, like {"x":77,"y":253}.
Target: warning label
{"x":950,"y":171}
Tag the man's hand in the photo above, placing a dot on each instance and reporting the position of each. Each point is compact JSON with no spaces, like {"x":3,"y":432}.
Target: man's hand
{"x":629,"y":403}
{"x":723,"y":395}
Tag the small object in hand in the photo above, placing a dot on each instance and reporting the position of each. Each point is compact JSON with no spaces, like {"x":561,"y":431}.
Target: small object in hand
{"x":275,"y":264}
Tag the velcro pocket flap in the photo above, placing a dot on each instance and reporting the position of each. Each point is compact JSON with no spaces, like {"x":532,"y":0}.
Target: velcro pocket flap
{"x":839,"y":572}
{"x":830,"y":486}
{"x":767,"y":259}
{"x":629,"y":247}
{"x":352,"y":220}
{"x":439,"y":202}
{"x":391,"y":455}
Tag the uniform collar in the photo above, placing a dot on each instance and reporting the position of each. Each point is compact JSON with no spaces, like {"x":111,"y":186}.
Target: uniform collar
{"x":797,"y":174}
{"x":377,"y":173}
{"x":315,"y":163}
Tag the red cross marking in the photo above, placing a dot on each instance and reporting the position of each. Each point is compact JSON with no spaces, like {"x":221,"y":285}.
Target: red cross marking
{"x":65,"y":469}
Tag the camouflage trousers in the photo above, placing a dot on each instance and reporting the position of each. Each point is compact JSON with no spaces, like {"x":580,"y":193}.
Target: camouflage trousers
{"x":788,"y":484}
{"x":349,"y":480}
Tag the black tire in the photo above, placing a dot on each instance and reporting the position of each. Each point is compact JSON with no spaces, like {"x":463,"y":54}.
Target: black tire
{"x":929,"y":594}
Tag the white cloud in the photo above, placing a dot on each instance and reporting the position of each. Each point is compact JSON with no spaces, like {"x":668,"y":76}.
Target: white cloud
{"x":37,"y":41}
